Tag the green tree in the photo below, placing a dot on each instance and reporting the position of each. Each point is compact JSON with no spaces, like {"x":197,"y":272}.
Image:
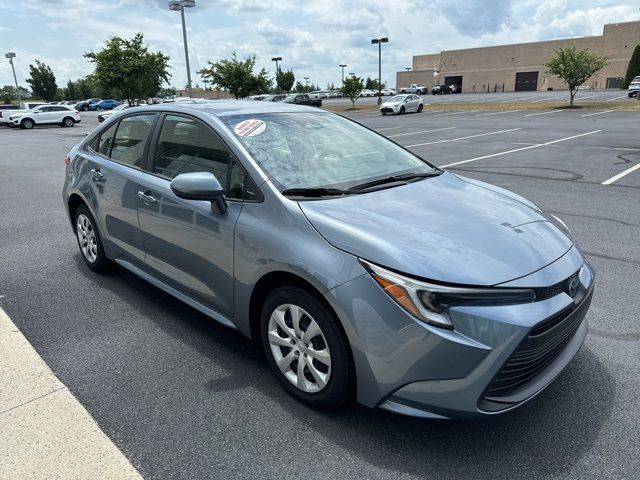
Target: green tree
{"x":575,"y":67}
{"x":126,"y":68}
{"x":86,"y":88}
{"x":71,"y":91}
{"x":352,"y":87}
{"x":166,"y":92}
{"x":285,"y":80}
{"x":237,"y":76}
{"x":633,"y":70}
{"x":42,"y":81}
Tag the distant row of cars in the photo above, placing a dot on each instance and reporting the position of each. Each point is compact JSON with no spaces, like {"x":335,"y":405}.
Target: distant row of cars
{"x":297,"y":98}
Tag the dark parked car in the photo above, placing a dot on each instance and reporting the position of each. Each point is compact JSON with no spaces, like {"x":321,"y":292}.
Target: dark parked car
{"x":274,"y":98}
{"x":445,"y":89}
{"x":303,"y":99}
{"x":84,"y":104}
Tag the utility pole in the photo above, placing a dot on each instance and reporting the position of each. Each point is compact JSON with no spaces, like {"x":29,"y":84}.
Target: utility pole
{"x":11,"y":56}
{"x":342,"y":66}
{"x":379,"y":41}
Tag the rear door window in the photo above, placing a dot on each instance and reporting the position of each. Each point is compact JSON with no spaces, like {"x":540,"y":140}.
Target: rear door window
{"x":130,"y":139}
{"x":105,"y":141}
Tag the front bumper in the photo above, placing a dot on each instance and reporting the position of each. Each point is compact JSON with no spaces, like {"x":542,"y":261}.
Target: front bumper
{"x":388,"y":110}
{"x":409,"y":367}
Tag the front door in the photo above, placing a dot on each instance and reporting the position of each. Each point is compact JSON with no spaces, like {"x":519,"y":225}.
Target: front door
{"x":114,"y":171}
{"x":185,"y":241}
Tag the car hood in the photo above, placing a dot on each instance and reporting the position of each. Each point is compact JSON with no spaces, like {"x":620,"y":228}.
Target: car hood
{"x":446,"y":228}
{"x":390,"y":104}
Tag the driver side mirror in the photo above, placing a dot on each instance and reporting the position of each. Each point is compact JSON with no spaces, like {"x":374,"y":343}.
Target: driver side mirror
{"x":200,"y":186}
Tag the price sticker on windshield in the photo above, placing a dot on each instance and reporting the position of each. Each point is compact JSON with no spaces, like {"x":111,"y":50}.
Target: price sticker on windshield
{"x":250,"y":128}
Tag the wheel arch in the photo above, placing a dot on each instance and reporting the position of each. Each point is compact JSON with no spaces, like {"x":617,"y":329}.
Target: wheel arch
{"x":74,"y":201}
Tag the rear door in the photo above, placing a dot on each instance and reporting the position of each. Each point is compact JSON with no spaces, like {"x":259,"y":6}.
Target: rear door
{"x":113,"y":169}
{"x":186,"y":242}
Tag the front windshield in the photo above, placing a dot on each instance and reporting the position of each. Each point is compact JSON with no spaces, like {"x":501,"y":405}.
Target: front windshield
{"x":398,"y":98}
{"x":320,"y":150}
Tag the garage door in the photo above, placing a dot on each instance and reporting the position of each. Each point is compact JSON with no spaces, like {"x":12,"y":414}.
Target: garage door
{"x":526,"y":81}
{"x":453,"y":80}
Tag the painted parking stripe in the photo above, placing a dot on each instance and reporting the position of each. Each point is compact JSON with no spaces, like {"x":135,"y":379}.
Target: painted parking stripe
{"x":597,"y":113}
{"x":584,"y":98}
{"x":421,"y":131}
{"x":516,"y":99}
{"x":617,"y":98}
{"x":463,"y":138}
{"x":547,"y":99}
{"x":386,"y":128}
{"x":542,"y":113}
{"x":496,"y":113}
{"x":520,"y":149}
{"x":456,"y":113}
{"x":621,"y":174}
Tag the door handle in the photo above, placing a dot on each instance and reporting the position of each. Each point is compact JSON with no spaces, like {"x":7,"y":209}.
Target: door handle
{"x":146,"y":197}
{"x":96,"y":175}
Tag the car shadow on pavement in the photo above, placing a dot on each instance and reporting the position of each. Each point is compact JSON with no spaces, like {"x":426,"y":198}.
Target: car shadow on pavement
{"x":544,"y":438}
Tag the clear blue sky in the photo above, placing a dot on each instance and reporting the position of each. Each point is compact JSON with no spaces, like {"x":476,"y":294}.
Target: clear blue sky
{"x":312,"y":37}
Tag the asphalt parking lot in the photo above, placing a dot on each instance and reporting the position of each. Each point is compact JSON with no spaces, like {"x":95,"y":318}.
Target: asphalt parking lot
{"x":184,"y":397}
{"x":583,"y":96}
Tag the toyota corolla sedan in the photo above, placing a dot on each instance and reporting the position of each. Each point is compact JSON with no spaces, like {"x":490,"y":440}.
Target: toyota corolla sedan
{"x":401,"y":104}
{"x":365,"y":272}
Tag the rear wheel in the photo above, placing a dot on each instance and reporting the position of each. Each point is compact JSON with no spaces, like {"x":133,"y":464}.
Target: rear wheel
{"x":68,"y":122}
{"x":306,"y":348}
{"x":85,"y":109}
{"x":27,"y":123}
{"x":89,"y":240}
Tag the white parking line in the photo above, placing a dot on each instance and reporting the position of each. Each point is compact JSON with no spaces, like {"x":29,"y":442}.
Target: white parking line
{"x":584,"y":98}
{"x":463,"y":138}
{"x":520,"y":149}
{"x":386,"y":128}
{"x":621,"y":174}
{"x":597,"y":113}
{"x":516,"y":99}
{"x":542,"y":113}
{"x":546,"y":99}
{"x":422,"y":131}
{"x":496,"y":113}
{"x":456,"y":113}
{"x":617,"y":98}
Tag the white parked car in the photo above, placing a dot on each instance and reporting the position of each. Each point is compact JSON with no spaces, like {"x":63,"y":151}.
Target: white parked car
{"x":24,"y":106}
{"x":123,"y":106}
{"x":367,"y":93}
{"x":388,"y":91}
{"x":45,"y":115}
{"x":634,"y":87}
{"x":401,"y":104}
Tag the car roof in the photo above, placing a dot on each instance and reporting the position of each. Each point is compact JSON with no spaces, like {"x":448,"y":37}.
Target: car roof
{"x":225,"y":108}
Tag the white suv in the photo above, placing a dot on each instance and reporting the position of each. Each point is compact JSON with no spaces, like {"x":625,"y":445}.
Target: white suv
{"x":634,"y":87}
{"x":46,"y":115}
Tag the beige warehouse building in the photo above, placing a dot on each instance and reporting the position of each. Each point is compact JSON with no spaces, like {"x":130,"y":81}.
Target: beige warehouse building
{"x":520,"y":67}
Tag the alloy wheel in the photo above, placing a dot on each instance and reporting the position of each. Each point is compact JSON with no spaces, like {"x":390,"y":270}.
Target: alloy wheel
{"x":299,"y":348}
{"x":87,"y":238}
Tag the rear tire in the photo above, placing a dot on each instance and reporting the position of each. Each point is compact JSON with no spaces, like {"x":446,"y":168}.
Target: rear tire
{"x":295,"y":326}
{"x":89,"y":240}
{"x":68,"y":122}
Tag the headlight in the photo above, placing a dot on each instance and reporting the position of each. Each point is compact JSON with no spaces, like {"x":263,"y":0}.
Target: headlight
{"x":431,"y":302}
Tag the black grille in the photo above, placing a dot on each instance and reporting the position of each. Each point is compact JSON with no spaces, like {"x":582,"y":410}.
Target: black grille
{"x":543,"y":293}
{"x":386,"y":110}
{"x":536,"y":352}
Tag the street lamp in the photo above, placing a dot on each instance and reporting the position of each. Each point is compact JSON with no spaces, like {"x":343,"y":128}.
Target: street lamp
{"x":342,"y":67}
{"x":180,"y":5}
{"x":379,"y":41}
{"x":276,"y":59}
{"x":306,"y":81}
{"x":11,"y":56}
{"x":407,"y":68}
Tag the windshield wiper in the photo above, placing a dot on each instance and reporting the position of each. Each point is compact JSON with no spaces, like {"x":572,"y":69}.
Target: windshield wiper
{"x":396,"y":178}
{"x":315,"y":192}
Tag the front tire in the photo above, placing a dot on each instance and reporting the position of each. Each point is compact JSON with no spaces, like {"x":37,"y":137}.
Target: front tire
{"x":420,"y":108}
{"x":401,"y":110}
{"x":89,"y":240}
{"x":306,"y":348}
{"x":27,"y":124}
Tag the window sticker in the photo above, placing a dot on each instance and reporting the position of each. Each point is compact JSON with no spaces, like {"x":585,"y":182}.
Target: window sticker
{"x":250,"y":128}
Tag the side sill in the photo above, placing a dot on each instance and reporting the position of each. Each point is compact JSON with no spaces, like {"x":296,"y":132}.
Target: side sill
{"x":209,"y":312}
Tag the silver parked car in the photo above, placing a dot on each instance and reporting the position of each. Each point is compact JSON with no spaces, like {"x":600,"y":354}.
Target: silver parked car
{"x":402,"y":104}
{"x":365,"y":271}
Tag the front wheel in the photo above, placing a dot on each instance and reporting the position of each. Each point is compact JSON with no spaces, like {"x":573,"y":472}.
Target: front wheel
{"x":420,"y":108}
{"x":27,"y":123}
{"x":383,"y":113}
{"x":306,"y":348}
{"x":402,"y":110}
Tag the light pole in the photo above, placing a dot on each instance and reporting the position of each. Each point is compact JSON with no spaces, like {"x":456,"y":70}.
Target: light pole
{"x":379,"y":41}
{"x":11,"y":56}
{"x":342,"y":66}
{"x":407,"y":68}
{"x":306,"y":81}
{"x":180,"y":5}
{"x":276,"y":59}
